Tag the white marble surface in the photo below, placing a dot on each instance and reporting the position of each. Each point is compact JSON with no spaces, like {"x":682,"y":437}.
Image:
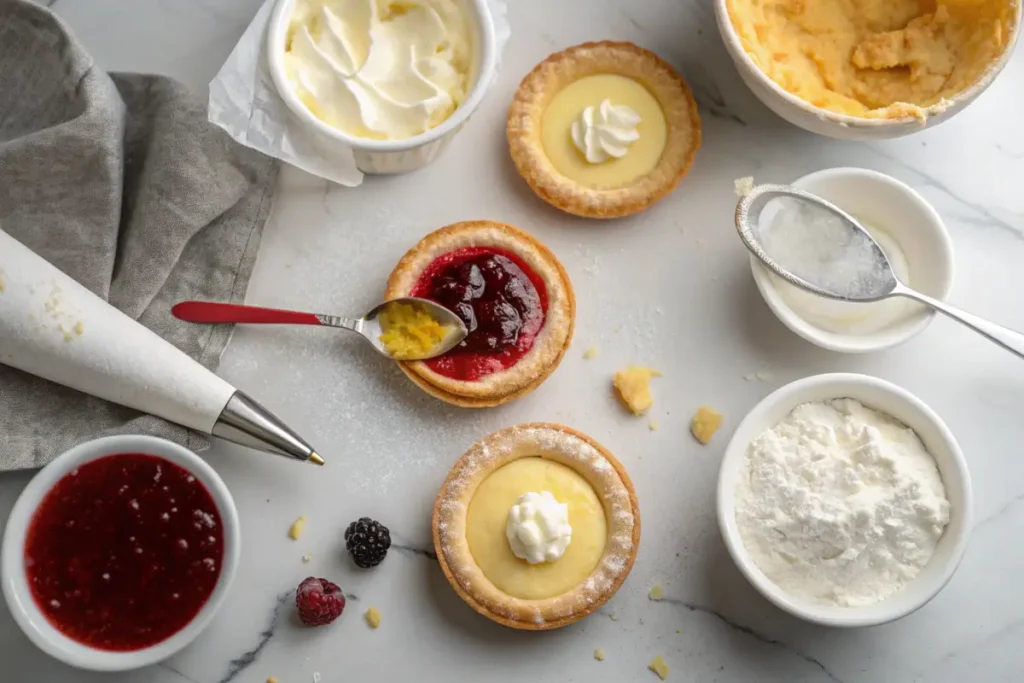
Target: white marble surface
{"x":676,"y":279}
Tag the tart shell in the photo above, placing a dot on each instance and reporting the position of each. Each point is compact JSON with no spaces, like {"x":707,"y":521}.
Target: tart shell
{"x":592,"y":461}
{"x":606,"y":57}
{"x":552,"y":342}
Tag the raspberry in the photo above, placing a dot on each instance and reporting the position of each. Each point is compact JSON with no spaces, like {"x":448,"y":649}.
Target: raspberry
{"x":319,"y":601}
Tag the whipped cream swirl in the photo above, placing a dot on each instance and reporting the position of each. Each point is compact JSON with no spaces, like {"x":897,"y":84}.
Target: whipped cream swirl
{"x":538,"y":528}
{"x":605,"y":132}
{"x":378,"y":69}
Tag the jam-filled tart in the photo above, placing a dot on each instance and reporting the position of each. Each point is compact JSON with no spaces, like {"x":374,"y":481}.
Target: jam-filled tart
{"x":515,"y":298}
{"x":471,"y":533}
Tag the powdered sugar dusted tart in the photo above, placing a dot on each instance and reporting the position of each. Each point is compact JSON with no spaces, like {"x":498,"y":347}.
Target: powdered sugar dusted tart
{"x":457,"y":511}
{"x":515,"y":298}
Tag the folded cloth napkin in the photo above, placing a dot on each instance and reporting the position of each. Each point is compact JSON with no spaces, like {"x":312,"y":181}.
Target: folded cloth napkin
{"x":119,"y":181}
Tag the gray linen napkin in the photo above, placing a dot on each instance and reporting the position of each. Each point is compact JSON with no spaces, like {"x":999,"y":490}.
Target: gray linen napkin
{"x":119,"y":181}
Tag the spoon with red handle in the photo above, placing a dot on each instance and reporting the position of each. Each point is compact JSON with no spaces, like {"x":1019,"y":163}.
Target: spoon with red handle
{"x":368,"y":326}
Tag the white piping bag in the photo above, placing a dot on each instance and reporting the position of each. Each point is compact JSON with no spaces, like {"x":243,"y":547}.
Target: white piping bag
{"x":55,"y":328}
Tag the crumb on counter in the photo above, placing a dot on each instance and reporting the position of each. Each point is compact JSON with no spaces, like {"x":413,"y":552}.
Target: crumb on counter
{"x":633,"y":386}
{"x":590,"y":353}
{"x":743,"y":186}
{"x":373,"y":617}
{"x":79,"y":328}
{"x":271,"y":679}
{"x":705,"y":423}
{"x":599,"y":654}
{"x":295,"y":531}
{"x":659,"y":667}
{"x":306,"y":558}
{"x":656,"y":593}
{"x":652,"y":425}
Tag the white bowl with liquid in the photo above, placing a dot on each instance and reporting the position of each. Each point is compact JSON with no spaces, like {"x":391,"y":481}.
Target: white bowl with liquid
{"x":914,"y":239}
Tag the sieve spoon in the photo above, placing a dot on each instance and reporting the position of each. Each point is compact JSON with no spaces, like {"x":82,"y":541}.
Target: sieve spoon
{"x":838,"y":258}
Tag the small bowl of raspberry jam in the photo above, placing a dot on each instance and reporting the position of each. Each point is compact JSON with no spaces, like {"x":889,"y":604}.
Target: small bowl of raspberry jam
{"x":119,"y":552}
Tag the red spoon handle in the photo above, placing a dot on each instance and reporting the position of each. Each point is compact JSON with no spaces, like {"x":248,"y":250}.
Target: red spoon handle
{"x":213,"y":312}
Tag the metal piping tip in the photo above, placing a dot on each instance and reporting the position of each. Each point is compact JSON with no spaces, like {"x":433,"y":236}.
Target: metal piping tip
{"x":246,"y":422}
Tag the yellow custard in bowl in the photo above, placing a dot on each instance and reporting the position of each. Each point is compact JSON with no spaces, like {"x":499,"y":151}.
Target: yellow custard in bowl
{"x":881,"y":59}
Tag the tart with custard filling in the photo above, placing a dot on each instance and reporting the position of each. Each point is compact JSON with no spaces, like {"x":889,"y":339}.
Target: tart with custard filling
{"x":515,"y":298}
{"x":603,"y":130}
{"x":471,"y":522}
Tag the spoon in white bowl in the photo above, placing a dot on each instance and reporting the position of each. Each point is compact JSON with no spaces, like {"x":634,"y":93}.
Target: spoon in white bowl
{"x":369,"y":326}
{"x":813,"y":244}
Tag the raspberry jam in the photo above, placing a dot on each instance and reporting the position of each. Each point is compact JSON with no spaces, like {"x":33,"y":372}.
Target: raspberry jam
{"x":124,"y":551}
{"x":500,"y":298}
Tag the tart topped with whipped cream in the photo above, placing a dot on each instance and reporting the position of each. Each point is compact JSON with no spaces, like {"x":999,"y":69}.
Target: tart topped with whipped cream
{"x":514,"y":297}
{"x":536,"y":526}
{"x":603,"y":130}
{"x":379,"y":69}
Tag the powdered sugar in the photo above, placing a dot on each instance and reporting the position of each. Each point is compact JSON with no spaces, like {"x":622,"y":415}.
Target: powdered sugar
{"x":840,"y":504}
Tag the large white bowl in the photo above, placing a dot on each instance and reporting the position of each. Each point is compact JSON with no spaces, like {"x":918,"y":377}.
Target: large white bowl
{"x":909,"y":220}
{"x":388,"y":156}
{"x":801,"y":113}
{"x":905,"y":407}
{"x":12,"y":555}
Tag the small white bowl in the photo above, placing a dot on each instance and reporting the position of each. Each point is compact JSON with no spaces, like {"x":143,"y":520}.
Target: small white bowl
{"x":904,"y":215}
{"x":801,"y":113}
{"x":12,"y":555}
{"x":389,"y":156}
{"x":905,"y":407}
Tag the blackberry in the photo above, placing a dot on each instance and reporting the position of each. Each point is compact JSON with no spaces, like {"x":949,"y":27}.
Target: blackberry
{"x":367,"y":541}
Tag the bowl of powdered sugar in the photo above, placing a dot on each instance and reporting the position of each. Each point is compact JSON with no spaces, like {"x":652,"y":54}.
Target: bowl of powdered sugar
{"x":845,"y":500}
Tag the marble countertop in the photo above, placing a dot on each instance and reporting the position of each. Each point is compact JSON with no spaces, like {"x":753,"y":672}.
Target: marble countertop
{"x":676,"y":280}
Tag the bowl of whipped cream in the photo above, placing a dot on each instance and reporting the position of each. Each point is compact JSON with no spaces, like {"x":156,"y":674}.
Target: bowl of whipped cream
{"x":845,"y":500}
{"x":389,"y":82}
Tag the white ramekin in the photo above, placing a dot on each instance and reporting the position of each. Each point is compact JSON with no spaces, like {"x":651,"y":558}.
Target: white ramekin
{"x":938,"y":440}
{"x":388,"y":156}
{"x":12,"y":555}
{"x":801,"y":113}
{"x":909,"y":220}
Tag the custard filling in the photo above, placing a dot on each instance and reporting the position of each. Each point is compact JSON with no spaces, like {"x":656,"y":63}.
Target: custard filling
{"x":873,"y":58}
{"x":565,"y":109}
{"x":488,"y":513}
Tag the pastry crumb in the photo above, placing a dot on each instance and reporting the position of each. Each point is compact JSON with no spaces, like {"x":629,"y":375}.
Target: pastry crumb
{"x":271,"y":679}
{"x":373,"y":617}
{"x":764,"y":376}
{"x":652,"y":425}
{"x":599,"y":654}
{"x":79,"y":328}
{"x":659,"y":667}
{"x":633,"y":387}
{"x":295,"y":530}
{"x":705,"y":423}
{"x":656,"y":593}
{"x":612,"y":616}
{"x":678,"y":631}
{"x":306,"y":558}
{"x":743,"y":186}
{"x":590,"y":353}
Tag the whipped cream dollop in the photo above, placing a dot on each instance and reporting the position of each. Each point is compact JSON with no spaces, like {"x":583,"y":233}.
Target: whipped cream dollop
{"x":605,"y":132}
{"x":376,"y":68}
{"x":538,"y":527}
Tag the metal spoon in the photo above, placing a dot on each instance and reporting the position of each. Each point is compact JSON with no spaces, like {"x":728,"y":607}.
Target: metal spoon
{"x":876,"y":282}
{"x":368,"y":326}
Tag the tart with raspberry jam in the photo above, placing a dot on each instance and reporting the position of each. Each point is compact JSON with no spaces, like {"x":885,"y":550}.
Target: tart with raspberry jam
{"x":515,"y":298}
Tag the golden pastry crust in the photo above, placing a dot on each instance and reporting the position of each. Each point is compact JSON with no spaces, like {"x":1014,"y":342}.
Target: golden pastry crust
{"x":572,"y":449}
{"x":606,"y":57}
{"x":548,"y":348}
